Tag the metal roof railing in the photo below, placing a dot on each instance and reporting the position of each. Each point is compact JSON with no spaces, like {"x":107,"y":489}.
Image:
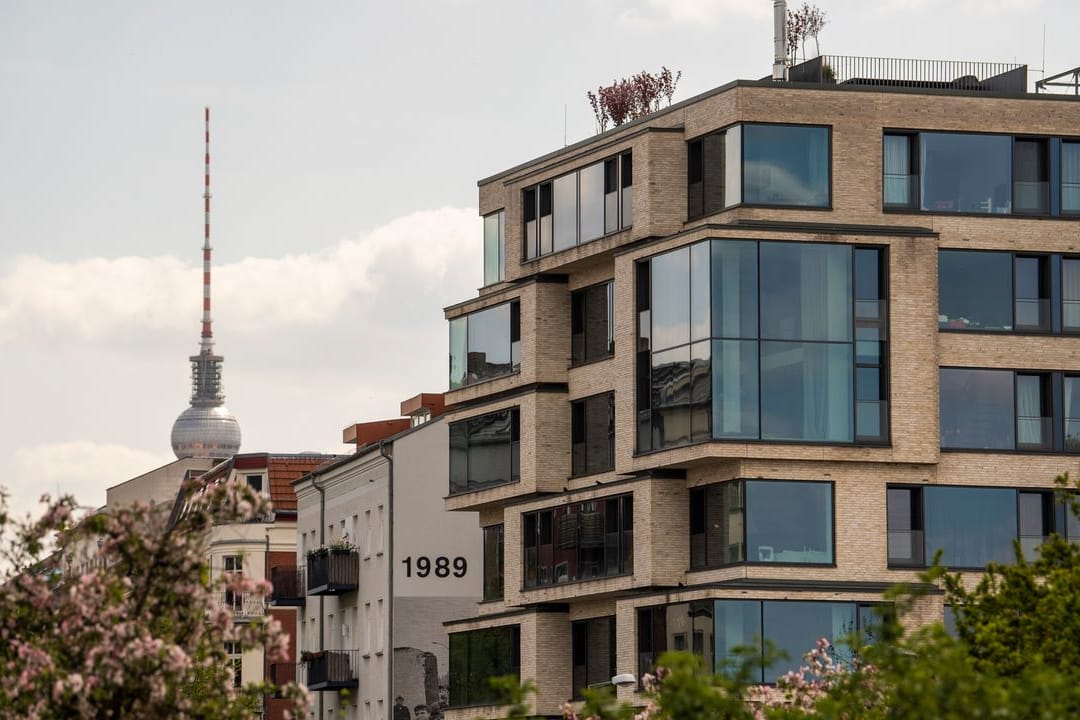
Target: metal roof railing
{"x":911,"y":73}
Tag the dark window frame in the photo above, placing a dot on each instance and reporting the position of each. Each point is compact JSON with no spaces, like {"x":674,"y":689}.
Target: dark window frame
{"x":513,"y":343}
{"x":1052,"y":398}
{"x":1056,"y":520}
{"x":645,"y":334}
{"x":494,"y":588}
{"x":745,"y":509}
{"x":700,"y":140}
{"x":578,"y":435}
{"x":534,"y":206}
{"x":651,"y":630}
{"x":1053,"y":155}
{"x":513,"y":472}
{"x":470,"y":691}
{"x":578,"y":325}
{"x":581,"y":650}
{"x":541,"y":533}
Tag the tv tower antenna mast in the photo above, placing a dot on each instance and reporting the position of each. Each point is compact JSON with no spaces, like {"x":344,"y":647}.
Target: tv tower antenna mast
{"x":206,"y":429}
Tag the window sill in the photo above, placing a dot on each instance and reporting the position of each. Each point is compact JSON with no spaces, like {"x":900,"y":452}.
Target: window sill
{"x":485,"y":380}
{"x":1010,"y":451}
{"x":473,"y":491}
{"x":880,"y":444}
{"x":760,"y":564}
{"x":570,"y":583}
{"x":529,"y":261}
{"x":586,"y":363}
{"x":996,"y":216}
{"x":591,"y":473}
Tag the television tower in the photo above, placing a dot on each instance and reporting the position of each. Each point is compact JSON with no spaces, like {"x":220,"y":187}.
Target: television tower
{"x":206,"y":428}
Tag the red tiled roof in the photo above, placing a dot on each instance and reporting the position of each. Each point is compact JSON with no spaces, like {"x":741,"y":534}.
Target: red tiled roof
{"x":283,"y":470}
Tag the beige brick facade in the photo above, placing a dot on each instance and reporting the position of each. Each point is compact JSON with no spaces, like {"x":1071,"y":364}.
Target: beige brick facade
{"x":858,"y":474}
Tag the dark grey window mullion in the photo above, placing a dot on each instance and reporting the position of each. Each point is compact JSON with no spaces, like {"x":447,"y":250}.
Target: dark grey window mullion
{"x":757,"y":340}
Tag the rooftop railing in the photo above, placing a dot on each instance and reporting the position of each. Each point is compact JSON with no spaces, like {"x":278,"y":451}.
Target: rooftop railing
{"x":911,"y":73}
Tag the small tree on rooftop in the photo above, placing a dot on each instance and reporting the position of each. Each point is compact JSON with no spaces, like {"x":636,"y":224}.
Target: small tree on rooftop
{"x":631,"y":98}
{"x":806,"y":22}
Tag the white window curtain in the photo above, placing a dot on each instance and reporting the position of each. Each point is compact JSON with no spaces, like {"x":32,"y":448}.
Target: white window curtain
{"x":1070,"y":294}
{"x":897,"y":174}
{"x":1070,"y":177}
{"x":1029,"y":421}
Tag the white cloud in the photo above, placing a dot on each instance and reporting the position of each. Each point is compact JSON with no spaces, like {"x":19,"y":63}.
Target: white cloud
{"x":101,"y":298}
{"x":80,"y":468}
{"x":694,"y":12}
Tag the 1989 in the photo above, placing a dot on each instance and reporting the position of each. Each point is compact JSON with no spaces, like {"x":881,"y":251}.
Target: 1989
{"x":441,"y":566}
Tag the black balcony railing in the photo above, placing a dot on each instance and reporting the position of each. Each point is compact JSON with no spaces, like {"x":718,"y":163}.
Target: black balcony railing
{"x":288,"y":586}
{"x":910,"y":73}
{"x":332,"y":571}
{"x":331,"y":669}
{"x":281,"y":674}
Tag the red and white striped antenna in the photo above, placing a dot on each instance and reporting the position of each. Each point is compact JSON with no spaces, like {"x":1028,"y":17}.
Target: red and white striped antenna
{"x":207,"y":341}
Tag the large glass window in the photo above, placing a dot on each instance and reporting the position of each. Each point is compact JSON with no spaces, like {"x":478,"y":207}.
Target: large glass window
{"x":485,"y":345}
{"x":592,"y":431}
{"x":1070,"y":294}
{"x":980,"y":173}
{"x":493,"y":563}
{"x":1000,"y":410}
{"x":815,"y":371}
{"x":760,"y":165}
{"x":1070,"y":177}
{"x":715,"y":628}
{"x":999,"y":291}
{"x":578,"y":207}
{"x":785,"y":165}
{"x":592,"y":323}
{"x":971,"y":526}
{"x":965,"y":173}
{"x":593,"y":653}
{"x":484,"y":451}
{"x":761,"y":521}
{"x":580,"y":541}
{"x":478,"y":655}
{"x":494,"y":241}
{"x":1072,"y":414}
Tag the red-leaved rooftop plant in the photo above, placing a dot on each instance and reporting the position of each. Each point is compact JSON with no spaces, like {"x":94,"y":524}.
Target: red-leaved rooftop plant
{"x":631,"y":98}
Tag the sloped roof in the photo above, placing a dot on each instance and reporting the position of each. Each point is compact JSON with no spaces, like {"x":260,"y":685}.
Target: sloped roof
{"x":283,"y":469}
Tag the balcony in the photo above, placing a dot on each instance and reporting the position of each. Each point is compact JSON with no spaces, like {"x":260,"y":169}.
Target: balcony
{"x":331,"y":669}
{"x":288,"y":586}
{"x":910,"y":73}
{"x":245,"y":607}
{"x":333,"y":571}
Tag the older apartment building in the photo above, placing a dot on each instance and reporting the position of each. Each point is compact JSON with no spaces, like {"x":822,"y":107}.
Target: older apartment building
{"x":741,"y":365}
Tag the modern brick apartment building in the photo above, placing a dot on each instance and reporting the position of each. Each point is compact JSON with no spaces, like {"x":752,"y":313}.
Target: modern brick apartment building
{"x":742,"y":364}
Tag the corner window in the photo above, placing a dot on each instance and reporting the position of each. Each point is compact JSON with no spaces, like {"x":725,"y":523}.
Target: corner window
{"x":972,"y":526}
{"x":761,"y":521}
{"x":758,"y":164}
{"x":715,"y":629}
{"x":580,"y":541}
{"x":477,"y":655}
{"x":578,"y":207}
{"x":484,"y":451}
{"x":593,"y":653}
{"x":592,"y":432}
{"x":485,"y":345}
{"x":984,"y":409}
{"x":815,"y":370}
{"x":592,"y":323}
{"x":494,"y":247}
{"x":493,"y":563}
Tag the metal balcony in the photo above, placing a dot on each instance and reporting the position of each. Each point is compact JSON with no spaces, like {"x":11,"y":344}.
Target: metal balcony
{"x":333,"y":571}
{"x":288,"y":586}
{"x":245,"y":607}
{"x":331,"y":669}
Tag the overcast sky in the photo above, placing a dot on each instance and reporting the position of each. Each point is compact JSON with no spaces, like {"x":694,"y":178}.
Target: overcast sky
{"x":347,"y":138}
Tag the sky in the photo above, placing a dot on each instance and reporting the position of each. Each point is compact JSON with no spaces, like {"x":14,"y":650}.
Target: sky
{"x":347,"y":139}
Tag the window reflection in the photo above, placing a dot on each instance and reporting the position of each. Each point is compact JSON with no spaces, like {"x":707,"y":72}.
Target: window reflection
{"x":484,"y":451}
{"x":485,"y":345}
{"x":972,"y":526}
{"x":977,"y":409}
{"x":1070,"y":177}
{"x":974,"y":290}
{"x":806,"y":391}
{"x":966,"y":173}
{"x":785,"y":165}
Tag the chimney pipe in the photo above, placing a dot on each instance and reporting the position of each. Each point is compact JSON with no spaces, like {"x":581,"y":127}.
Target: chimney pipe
{"x":779,"y":67}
